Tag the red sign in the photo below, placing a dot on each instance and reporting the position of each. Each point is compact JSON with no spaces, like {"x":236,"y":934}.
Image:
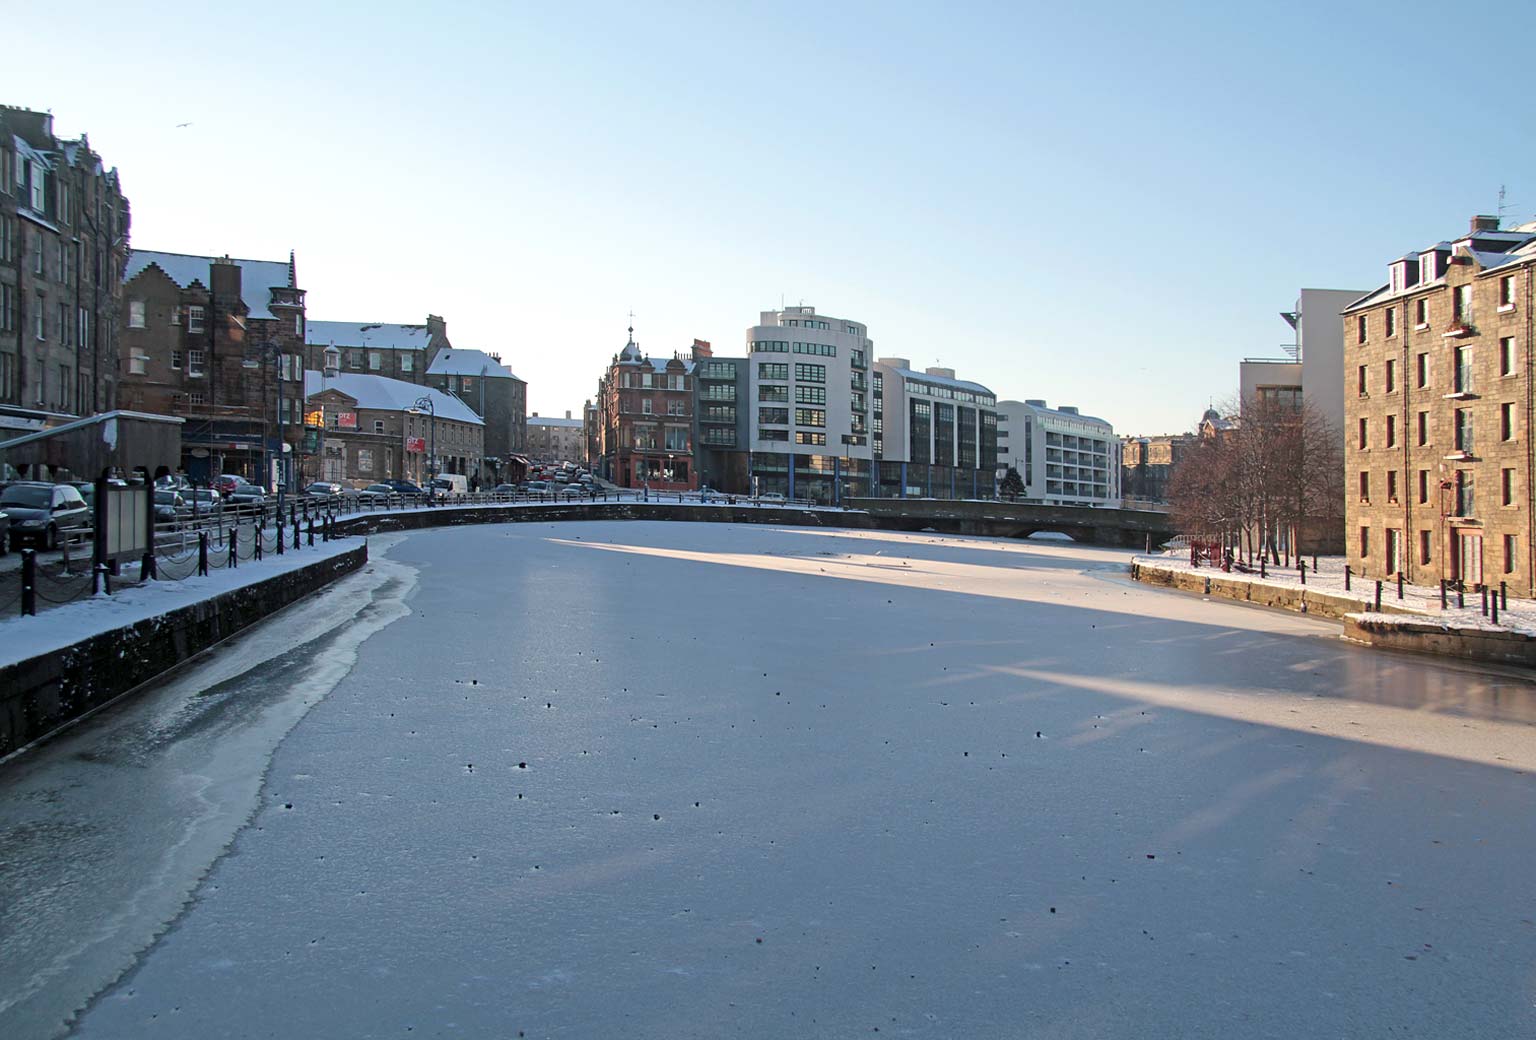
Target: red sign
{"x":416,"y":445}
{"x":346,"y":420}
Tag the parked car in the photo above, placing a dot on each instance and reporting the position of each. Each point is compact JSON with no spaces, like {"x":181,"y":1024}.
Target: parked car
{"x":505,"y":489}
{"x":772,"y":498}
{"x":403,"y":487}
{"x":538,"y":487}
{"x":246,"y":498}
{"x":324,"y":490}
{"x":173,"y":482}
{"x":204,"y":501}
{"x":43,"y":513}
{"x":574,"y":491}
{"x":170,"y":506}
{"x":376,"y":494}
{"x":228,"y":482}
{"x":5,"y":533}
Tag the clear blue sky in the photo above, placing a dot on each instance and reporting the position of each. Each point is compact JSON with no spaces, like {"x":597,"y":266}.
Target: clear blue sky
{"x":1102,"y":207}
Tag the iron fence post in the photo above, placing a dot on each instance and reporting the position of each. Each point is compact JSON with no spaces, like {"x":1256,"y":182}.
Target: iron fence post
{"x":202,"y":553}
{"x":28,"y":582}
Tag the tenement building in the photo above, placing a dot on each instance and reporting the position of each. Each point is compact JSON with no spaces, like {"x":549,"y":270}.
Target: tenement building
{"x":218,"y":342}
{"x":1063,"y":456}
{"x":556,"y":440}
{"x":63,"y":244}
{"x":645,"y":419}
{"x":495,"y":394}
{"x":379,"y":348}
{"x":809,"y":430}
{"x":1438,"y":448}
{"x":934,"y":436}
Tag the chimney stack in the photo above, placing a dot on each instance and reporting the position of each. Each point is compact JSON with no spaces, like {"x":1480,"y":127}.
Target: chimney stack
{"x":1483,"y":222}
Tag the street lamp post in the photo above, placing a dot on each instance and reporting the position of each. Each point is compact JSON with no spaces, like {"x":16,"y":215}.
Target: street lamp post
{"x":273,"y":351}
{"x":425,"y":401}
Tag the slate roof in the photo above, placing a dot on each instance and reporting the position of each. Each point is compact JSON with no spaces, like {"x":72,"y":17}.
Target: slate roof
{"x":390,"y":395}
{"x":376,"y":335}
{"x":453,"y":362}
{"x":257,"y":277}
{"x":545,"y":420}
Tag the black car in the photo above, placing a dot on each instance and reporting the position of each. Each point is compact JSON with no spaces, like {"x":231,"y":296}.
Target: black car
{"x":404,"y":487}
{"x":170,"y":507}
{"x":246,"y":498}
{"x":43,"y":513}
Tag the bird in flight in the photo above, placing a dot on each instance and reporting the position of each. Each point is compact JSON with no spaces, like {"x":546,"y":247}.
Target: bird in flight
{"x":180,"y":125}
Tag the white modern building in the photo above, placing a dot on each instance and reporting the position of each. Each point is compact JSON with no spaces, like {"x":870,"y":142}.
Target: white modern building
{"x":1064,"y":457}
{"x":934,"y":436}
{"x":808,"y":390}
{"x":1312,"y":369}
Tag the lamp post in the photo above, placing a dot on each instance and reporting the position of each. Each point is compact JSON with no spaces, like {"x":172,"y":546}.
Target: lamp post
{"x":425,"y":401}
{"x":273,"y":351}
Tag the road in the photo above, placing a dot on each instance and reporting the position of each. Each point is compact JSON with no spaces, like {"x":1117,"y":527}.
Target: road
{"x":670,"y":780}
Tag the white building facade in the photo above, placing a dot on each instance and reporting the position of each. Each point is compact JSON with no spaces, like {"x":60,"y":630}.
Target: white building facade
{"x":808,"y":391}
{"x":1063,"y":456}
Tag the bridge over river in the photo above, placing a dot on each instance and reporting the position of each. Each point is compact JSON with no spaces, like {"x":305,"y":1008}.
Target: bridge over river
{"x":1128,"y":527}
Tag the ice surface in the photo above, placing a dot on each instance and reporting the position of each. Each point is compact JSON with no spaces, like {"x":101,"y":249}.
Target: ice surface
{"x":668,"y":780}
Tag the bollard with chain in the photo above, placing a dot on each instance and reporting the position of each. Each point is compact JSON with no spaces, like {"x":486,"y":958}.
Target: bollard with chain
{"x":202,"y":553}
{"x":1399,"y":584}
{"x":28,"y":582}
{"x":1504,"y":595}
{"x":1444,"y":603}
{"x":1346,"y":577}
{"x":1495,"y":606}
{"x":1301,"y":566}
{"x":1461,"y":594}
{"x":1378,"y":596}
{"x":1484,"y":590}
{"x":311,"y":532}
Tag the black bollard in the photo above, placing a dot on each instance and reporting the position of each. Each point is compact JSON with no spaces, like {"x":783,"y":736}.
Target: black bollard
{"x":1495,"y":614}
{"x":1504,"y":595}
{"x":1263,"y":572}
{"x":234,"y":547}
{"x":311,"y":532}
{"x":1301,"y":566}
{"x":1346,"y":577}
{"x":1444,"y":603}
{"x":1461,"y":594}
{"x":1378,"y":596}
{"x":1484,"y":590}
{"x":29,"y":582}
{"x":202,"y":553}
{"x":1399,"y":584}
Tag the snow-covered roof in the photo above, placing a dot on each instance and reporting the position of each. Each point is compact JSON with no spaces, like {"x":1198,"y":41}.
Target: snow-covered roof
{"x":374,"y":334}
{"x":541,"y":420}
{"x":1043,"y":409}
{"x":632,"y":355}
{"x":390,"y":395}
{"x":1489,"y":249}
{"x":23,"y":148}
{"x":257,"y":277}
{"x":959,"y":384}
{"x":453,"y":362}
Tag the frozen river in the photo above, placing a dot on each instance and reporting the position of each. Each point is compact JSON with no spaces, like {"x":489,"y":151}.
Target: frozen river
{"x":692,"y":780}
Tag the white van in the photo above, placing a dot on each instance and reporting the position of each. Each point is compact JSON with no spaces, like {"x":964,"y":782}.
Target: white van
{"x":451,"y":483}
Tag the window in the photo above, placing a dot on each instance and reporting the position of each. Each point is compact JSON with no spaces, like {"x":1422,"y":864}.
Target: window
{"x":1391,"y":376}
{"x":645,"y":406}
{"x":1361,"y":381}
{"x":378,"y":426}
{"x":808,"y":373}
{"x":677,"y":408}
{"x":1423,"y":428}
{"x":194,"y":319}
{"x":801,"y":437}
{"x":810,"y":417}
{"x":195,"y":398}
{"x":1507,"y":356}
{"x":1421,"y":313}
{"x":365,"y":460}
{"x":82,"y":326}
{"x":1365,"y":433}
{"x":1507,"y":292}
{"x":407,"y":361}
{"x":773,"y":435}
{"x":195,"y":360}
{"x":1391,"y":485}
{"x":1466,"y":499}
{"x":1506,"y":421}
{"x":1464,"y":439}
{"x":7,"y":375}
{"x":1365,"y":486}
{"x":1507,"y":487}
{"x":773,"y":416}
{"x":677,"y":438}
{"x":7,"y":309}
{"x":1424,"y":544}
{"x":810,"y":395}
{"x":1423,"y":371}
{"x":1394,"y":551}
{"x":39,"y":196}
{"x":1509,"y":554}
{"x":1463,"y":383}
{"x":773,"y":370}
{"x":1365,"y":542}
{"x":176,"y":356}
{"x":773,"y":393}
{"x":135,"y":314}
{"x":819,"y":349}
{"x":1423,"y":486}
{"x":375,"y":360}
{"x":136,"y":362}
{"x":1391,"y":319}
{"x":354,"y":359}
{"x":1360,"y":329}
{"x":41,"y":319}
{"x":1461,"y":303}
{"x":1391,"y":431}
{"x":7,"y":240}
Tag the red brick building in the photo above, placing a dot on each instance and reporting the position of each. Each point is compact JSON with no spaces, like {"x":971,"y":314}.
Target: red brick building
{"x":645,"y":421}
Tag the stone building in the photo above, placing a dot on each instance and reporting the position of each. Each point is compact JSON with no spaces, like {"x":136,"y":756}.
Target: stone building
{"x":645,"y":408}
{"x":219,"y":342}
{"x":556,"y":440}
{"x":492,"y":392}
{"x":1438,"y":448}
{"x":374,"y":428}
{"x":63,"y":246}
{"x":378,"y":348}
{"x":1147,"y":465}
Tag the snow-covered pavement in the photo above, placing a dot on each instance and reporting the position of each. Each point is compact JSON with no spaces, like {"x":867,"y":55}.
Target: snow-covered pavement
{"x":670,"y":780}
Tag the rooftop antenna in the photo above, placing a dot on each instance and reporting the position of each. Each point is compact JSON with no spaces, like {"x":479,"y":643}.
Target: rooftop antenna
{"x":1503,"y":205}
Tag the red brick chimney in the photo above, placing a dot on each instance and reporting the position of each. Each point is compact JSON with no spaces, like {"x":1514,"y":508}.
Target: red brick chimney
{"x":1484,"y":223}
{"x":702,"y":349}
{"x":224,"y":274}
